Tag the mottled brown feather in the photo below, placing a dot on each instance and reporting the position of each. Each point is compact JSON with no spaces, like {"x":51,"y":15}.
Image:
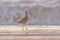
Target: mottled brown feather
{"x":25,"y":19}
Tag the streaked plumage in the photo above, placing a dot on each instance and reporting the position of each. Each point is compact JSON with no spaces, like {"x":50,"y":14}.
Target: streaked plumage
{"x":24,"y":20}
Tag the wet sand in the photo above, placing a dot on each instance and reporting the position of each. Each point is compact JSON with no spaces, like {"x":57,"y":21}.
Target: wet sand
{"x":31,"y":38}
{"x":30,"y":34}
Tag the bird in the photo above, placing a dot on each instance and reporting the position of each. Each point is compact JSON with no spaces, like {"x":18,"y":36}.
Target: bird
{"x":25,"y":19}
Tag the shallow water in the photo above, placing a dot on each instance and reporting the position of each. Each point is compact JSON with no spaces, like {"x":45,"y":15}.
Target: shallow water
{"x":12,"y":11}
